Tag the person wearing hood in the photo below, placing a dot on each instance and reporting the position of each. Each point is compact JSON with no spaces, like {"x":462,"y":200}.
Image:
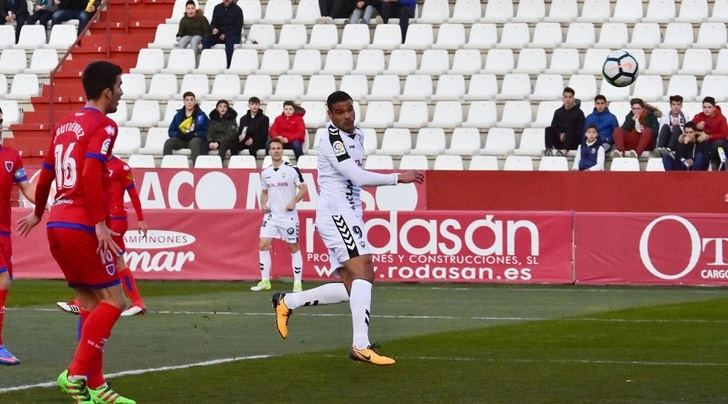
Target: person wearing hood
{"x":289,"y":128}
{"x":638,"y":131}
{"x":188,"y":129}
{"x":567,"y":125}
{"x":193,"y":27}
{"x":222,"y":132}
{"x":715,"y":130}
{"x":603,"y":120}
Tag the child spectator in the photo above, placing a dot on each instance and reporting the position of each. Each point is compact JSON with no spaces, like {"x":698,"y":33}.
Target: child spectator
{"x":222,"y":132}
{"x":227,"y":28}
{"x":714,"y":127}
{"x":364,"y":10}
{"x":688,"y":155}
{"x":253,"y":129}
{"x":603,"y":120}
{"x":671,"y":126}
{"x":42,"y":12}
{"x":566,"y":125}
{"x":188,"y":129}
{"x":289,"y":128}
{"x":638,"y":131}
{"x":590,"y":153}
{"x":192,"y":27}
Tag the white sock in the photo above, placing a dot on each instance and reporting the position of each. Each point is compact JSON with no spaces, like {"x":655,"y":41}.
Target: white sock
{"x":330,"y":293}
{"x":297,"y":263}
{"x":264,"y":265}
{"x":360,"y":303}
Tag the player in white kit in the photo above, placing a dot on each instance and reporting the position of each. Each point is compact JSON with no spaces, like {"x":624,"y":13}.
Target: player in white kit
{"x":340,"y":225}
{"x":283,"y":187}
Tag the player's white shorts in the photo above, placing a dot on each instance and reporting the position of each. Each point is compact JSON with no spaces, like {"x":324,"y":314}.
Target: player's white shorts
{"x":283,"y":226}
{"x":344,"y":236}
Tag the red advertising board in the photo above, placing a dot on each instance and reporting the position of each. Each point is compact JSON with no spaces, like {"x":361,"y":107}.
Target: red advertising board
{"x":445,"y":246}
{"x":664,"y":249}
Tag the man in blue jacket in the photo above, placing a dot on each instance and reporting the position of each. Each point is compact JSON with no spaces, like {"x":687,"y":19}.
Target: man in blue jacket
{"x":402,"y":9}
{"x":188,"y":129}
{"x":603,"y":120}
{"x":226,"y":27}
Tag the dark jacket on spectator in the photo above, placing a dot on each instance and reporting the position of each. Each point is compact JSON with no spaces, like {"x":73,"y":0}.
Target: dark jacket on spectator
{"x":650,"y":121}
{"x":228,"y":20}
{"x":605,"y":122}
{"x":197,"y":25}
{"x":691,"y":150}
{"x":77,"y":5}
{"x":200,"y":125}
{"x":19,"y":9}
{"x":257,"y":128}
{"x":567,"y":120}
{"x":223,"y":128}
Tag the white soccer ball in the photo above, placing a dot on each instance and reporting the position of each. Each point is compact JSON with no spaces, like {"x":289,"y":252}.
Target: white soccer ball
{"x":620,"y":69}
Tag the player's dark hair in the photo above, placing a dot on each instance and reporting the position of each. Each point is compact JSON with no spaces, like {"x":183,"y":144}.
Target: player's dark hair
{"x":676,"y":98}
{"x":600,"y":97}
{"x":691,"y":125}
{"x":190,"y":2}
{"x":222,"y":102}
{"x":254,"y":100}
{"x":276,"y":140}
{"x":188,"y":94}
{"x":592,"y":127}
{"x":709,"y":100}
{"x":290,"y":104}
{"x":98,"y":76}
{"x":568,"y":90}
{"x":337,"y":96}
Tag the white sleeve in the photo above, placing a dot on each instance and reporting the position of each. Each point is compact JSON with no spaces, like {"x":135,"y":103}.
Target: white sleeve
{"x":335,"y":152}
{"x":599,"y":166}
{"x":263,"y":184}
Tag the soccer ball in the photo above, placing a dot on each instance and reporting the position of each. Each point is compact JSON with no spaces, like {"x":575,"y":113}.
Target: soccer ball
{"x":620,"y":69}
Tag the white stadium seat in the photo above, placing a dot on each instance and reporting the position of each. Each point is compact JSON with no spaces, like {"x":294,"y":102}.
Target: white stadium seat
{"x":175,"y":161}
{"x":514,"y":35}
{"x":434,"y":12}
{"x":323,"y":36}
{"x":169,"y":111}
{"x":402,"y":61}
{"x":263,"y":34}
{"x":12,"y":61}
{"x":180,"y":61}
{"x":627,"y":11}
{"x":121,"y":115}
{"x":532,"y":61}
{"x":369,"y":61}
{"x":515,"y":87}
{"x":481,"y":114}
{"x":595,"y":11}
{"x":244,"y":61}
{"x":614,"y":93}
{"x":649,"y":88}
{"x":449,"y":36}
{"x":316,"y":115}
{"x":715,"y":86}
{"x":518,"y":163}
{"x":662,"y":11}
{"x":498,"y":11}
{"x":693,"y":11}
{"x":306,"y":61}
{"x":482,"y":36}
{"x":645,"y":35}
{"x":412,"y":114}
{"x":319,"y":87}
{"x":697,"y":61}
{"x":419,"y":36}
{"x":530,"y":11}
{"x":413,"y":162}
{"x":663,"y":61}
{"x":613,"y":35}
{"x":355,"y":36}
{"x":355,"y":85}
{"x":564,"y":61}
{"x":338,"y":62}
{"x":162,"y":86}
{"x":483,"y":163}
{"x":417,"y":87}
{"x":259,"y":85}
{"x":384,"y":87}
{"x":711,"y":35}
{"x":380,"y":114}
{"x":721,"y":63}
{"x":292,"y":36}
{"x":464,"y":142}
{"x":655,"y":164}
{"x":289,"y":87}
{"x":274,"y":62}
{"x":720,"y":11}
{"x":545,"y":113}
{"x":685,"y":85}
{"x":7,"y":36}
{"x":482,"y":86}
{"x":244,"y":162}
{"x":532,"y":142}
{"x":448,"y":163}
{"x":154,"y":142}
{"x":386,"y":36}
{"x":593,"y":61}
{"x":32,"y":37}
{"x":516,"y":114}
{"x":24,"y":86}
{"x":467,"y":11}
{"x":499,"y":61}
{"x":128,"y":141}
{"x":625,"y":164}
{"x":165,"y":36}
{"x":225,"y":86}
{"x":678,"y":35}
{"x":149,"y":61}
{"x":208,"y":162}
{"x":3,"y":85}
{"x":278,"y":12}
{"x":548,"y":87}
{"x":563,"y":11}
{"x":580,"y":35}
{"x":140,"y":161}
{"x":499,"y":142}
{"x":197,"y":83}
{"x":145,"y":113}
{"x":547,"y":35}
{"x":307,"y":12}
{"x":553,"y":163}
{"x":434,"y":62}
{"x":62,"y":36}
{"x":212,"y":61}
{"x":375,"y":162}
{"x":449,"y":87}
{"x":430,"y":142}
{"x":447,"y":114}
{"x":307,"y":162}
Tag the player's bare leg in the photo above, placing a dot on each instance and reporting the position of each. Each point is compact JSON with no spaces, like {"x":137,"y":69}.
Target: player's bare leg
{"x":6,"y":358}
{"x":131,"y":291}
{"x":265,"y":263}
{"x":297,"y":266}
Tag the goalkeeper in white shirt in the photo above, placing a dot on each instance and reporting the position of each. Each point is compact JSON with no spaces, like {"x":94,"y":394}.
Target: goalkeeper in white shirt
{"x":282,"y":187}
{"x":340,"y":225}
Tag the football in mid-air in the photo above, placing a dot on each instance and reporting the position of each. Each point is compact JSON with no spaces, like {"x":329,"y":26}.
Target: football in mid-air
{"x":620,"y":69}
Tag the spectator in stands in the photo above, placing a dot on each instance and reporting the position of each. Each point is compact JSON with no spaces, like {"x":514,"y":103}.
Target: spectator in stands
{"x":289,"y":128}
{"x":688,"y":154}
{"x":222,"y":133}
{"x":671,"y":126}
{"x":590,"y":153}
{"x":364,"y":10}
{"x":331,"y":9}
{"x":603,"y":120}
{"x":42,"y":12}
{"x":227,"y":27}
{"x":192,"y":28}
{"x":253,"y":129}
{"x":566,"y":125}
{"x":14,"y":11}
{"x":637,"y":133}
{"x":73,"y":9}
{"x":188,"y":129}
{"x":401,"y":9}
{"x":714,"y":127}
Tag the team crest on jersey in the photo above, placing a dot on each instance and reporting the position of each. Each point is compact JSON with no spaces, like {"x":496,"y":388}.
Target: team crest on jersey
{"x":105,"y":146}
{"x":339,"y":148}
{"x":9,"y":166}
{"x":110,"y":130}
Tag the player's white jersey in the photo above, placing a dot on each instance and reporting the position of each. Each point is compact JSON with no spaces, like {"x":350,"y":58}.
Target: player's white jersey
{"x":339,"y":194}
{"x":282,"y":185}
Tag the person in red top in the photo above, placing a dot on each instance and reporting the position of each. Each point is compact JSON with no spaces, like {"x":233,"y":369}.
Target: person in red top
{"x":289,"y":128}
{"x":79,"y":236}
{"x":122,"y":182}
{"x":714,"y":128}
{"x":13,"y":173}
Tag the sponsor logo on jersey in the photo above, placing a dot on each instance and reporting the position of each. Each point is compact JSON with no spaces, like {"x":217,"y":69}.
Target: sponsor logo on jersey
{"x":105,"y":146}
{"x":110,"y":130}
{"x":339,"y":149}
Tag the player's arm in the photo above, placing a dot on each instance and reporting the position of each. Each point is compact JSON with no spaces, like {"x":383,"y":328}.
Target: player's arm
{"x":264,"y":201}
{"x":42,"y":191}
{"x":361,"y":177}
{"x":27,"y":190}
{"x":137,"y":204}
{"x":21,"y":178}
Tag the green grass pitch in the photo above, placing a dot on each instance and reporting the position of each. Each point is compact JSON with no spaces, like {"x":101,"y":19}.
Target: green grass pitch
{"x":453,"y":343}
